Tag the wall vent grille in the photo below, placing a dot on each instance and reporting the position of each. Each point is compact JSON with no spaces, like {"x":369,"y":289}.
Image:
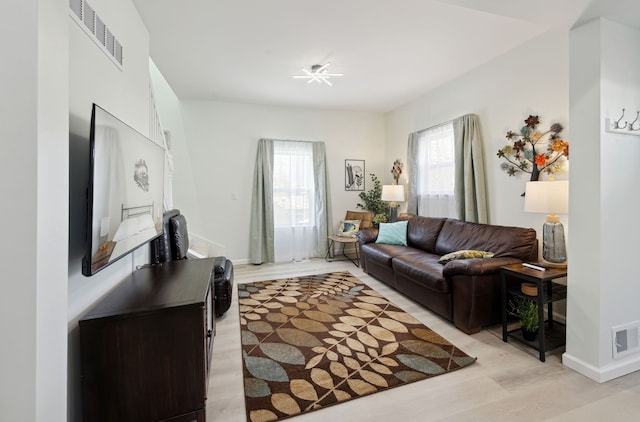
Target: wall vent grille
{"x":84,"y":15}
{"x":101,"y":29}
{"x":626,"y":339}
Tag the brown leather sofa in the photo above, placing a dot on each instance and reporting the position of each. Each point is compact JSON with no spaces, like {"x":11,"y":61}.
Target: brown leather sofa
{"x":464,"y":291}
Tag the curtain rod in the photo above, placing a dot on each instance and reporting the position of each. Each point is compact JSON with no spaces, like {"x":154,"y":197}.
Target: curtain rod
{"x":443,"y":123}
{"x":435,"y":126}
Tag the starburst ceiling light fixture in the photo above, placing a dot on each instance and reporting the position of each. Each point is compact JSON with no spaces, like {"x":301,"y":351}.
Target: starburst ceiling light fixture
{"x":318,"y":74}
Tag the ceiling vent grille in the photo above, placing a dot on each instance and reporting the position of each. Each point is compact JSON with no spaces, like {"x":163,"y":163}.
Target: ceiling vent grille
{"x":84,"y":15}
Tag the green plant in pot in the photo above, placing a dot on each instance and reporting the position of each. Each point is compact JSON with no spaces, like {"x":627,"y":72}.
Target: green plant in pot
{"x":373,"y":203}
{"x":527,"y":312}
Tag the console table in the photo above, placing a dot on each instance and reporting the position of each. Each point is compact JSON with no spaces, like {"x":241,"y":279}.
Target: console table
{"x":550,"y":335}
{"x":146,"y":347}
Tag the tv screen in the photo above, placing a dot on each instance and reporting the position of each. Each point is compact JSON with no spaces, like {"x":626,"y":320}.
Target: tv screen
{"x":125,"y":192}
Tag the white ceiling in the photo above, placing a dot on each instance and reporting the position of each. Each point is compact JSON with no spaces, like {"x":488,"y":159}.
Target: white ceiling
{"x":391,"y":51}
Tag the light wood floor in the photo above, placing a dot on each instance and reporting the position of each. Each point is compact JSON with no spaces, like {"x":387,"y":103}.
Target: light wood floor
{"x":507,"y":383}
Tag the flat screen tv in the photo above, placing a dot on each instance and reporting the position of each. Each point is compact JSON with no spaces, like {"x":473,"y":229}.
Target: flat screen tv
{"x":125,"y":192}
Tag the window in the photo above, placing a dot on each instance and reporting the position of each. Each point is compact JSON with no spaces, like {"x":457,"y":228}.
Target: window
{"x":293,"y":186}
{"x":290,"y":215}
{"x":294,"y":219}
{"x":436,"y":171}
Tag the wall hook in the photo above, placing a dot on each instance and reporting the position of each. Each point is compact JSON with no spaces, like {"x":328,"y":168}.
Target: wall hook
{"x":632,"y":123}
{"x":617,"y":122}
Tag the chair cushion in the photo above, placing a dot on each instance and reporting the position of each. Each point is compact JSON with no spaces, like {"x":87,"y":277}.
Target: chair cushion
{"x":348,"y":228}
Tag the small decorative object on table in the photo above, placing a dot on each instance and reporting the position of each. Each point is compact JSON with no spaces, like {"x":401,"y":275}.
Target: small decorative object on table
{"x":526,"y":154}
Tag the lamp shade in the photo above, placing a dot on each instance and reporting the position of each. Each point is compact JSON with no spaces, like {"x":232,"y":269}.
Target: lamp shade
{"x":392,"y":193}
{"x":548,"y":197}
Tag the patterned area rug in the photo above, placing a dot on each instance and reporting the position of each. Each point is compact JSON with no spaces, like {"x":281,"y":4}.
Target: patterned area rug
{"x":314,"y":341}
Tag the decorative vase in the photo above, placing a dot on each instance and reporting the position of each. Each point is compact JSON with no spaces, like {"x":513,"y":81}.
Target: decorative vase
{"x":529,"y":335}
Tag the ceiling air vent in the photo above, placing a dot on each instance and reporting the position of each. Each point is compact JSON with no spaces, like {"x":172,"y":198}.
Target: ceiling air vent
{"x":101,"y":30}
{"x":76,"y":7}
{"x":84,"y":15}
{"x":88,"y":16}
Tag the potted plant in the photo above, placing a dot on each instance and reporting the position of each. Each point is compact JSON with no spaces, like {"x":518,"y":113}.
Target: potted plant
{"x":373,"y":202}
{"x":527,"y":312}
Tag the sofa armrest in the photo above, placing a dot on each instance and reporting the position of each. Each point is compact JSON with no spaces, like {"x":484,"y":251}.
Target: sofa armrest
{"x":367,"y":235}
{"x":476,"y":266}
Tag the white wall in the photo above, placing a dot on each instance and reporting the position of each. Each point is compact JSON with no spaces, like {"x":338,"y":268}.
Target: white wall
{"x":124,"y":93}
{"x":214,"y":162}
{"x":33,"y":178}
{"x":604,"y":79}
{"x":531,"y":79}
{"x":169,"y":108}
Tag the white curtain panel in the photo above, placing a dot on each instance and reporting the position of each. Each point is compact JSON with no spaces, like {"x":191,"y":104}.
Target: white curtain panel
{"x":437,"y":205}
{"x":293,"y":201}
{"x":446,"y":171}
{"x":435,"y":181}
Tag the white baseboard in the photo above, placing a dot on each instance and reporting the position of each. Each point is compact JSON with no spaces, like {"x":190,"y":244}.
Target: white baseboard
{"x":604,"y":374}
{"x":204,"y":247}
{"x":191,"y":253}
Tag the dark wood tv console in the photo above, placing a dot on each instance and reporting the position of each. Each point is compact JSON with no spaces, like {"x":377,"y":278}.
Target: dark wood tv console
{"x":146,"y":347}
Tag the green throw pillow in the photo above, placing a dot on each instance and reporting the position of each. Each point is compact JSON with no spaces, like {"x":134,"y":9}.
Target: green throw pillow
{"x":464,"y":254}
{"x":393,"y":233}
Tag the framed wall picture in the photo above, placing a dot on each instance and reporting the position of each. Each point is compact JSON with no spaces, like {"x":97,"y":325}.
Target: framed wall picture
{"x":353,"y":174}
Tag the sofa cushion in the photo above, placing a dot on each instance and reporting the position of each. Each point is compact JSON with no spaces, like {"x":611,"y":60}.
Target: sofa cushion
{"x":382,"y":254}
{"x":503,"y":241}
{"x":423,"y":269}
{"x":422,"y":232}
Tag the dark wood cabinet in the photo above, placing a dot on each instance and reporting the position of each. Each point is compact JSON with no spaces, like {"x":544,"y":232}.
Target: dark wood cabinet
{"x":146,"y":347}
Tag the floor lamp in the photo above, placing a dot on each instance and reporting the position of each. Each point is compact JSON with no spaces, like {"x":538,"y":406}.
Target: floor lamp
{"x":392,"y":194}
{"x":551,"y":198}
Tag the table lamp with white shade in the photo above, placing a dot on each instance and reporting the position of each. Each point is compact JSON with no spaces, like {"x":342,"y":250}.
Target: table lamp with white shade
{"x":392,"y":194}
{"x":551,"y":198}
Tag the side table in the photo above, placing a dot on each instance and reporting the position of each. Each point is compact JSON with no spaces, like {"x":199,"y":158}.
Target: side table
{"x":551,"y":334}
{"x":343,"y":240}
